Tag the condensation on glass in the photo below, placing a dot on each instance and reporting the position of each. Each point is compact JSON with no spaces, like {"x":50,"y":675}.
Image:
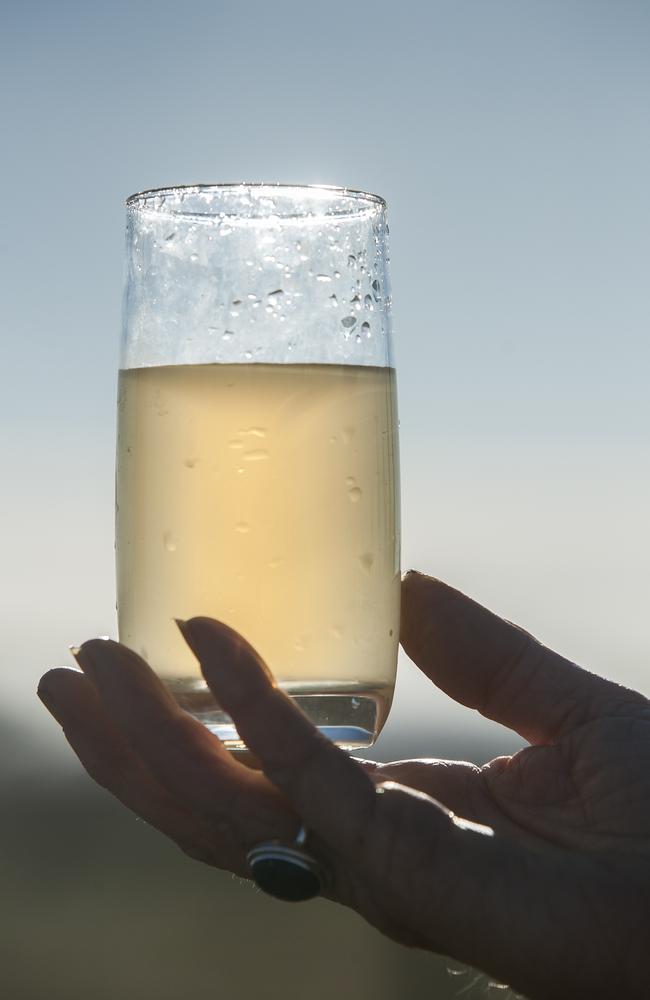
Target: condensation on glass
{"x":257,"y":478}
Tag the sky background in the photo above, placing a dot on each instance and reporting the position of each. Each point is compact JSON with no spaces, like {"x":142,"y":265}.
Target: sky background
{"x":511,"y":140}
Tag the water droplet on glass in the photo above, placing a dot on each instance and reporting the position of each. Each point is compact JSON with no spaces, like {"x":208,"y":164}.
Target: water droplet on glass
{"x":236,"y":302}
{"x":350,"y":482}
{"x":367,"y":301}
{"x":194,"y":257}
{"x":248,"y":355}
{"x":348,"y":322}
{"x":257,"y":455}
{"x":358,"y":338}
{"x":323,"y":277}
{"x":337,"y":274}
{"x":190,"y":463}
{"x":170,"y":236}
{"x":169,"y":541}
{"x":242,"y":528}
{"x":352,"y":260}
{"x":354,"y":494}
{"x":227,"y":335}
{"x":355,"y":702}
{"x":333,"y":301}
{"x":275,"y":294}
{"x":366,"y":560}
{"x":390,"y":632}
{"x":236,"y":444}
{"x":365,"y":328}
{"x":355,"y":302}
{"x":251,"y":297}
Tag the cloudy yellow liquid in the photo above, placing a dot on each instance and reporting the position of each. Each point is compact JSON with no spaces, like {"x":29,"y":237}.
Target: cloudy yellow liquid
{"x":264,"y":496}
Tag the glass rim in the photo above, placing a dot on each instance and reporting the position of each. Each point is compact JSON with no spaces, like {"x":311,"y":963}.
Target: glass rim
{"x":140,"y":200}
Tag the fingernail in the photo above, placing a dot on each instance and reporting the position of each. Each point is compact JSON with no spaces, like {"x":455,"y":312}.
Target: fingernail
{"x":47,"y":697}
{"x":207,"y":638}
{"x":227,"y":660}
{"x":82,"y":659}
{"x":90,"y":655}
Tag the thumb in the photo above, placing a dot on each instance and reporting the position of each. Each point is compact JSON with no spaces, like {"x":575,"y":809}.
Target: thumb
{"x":474,"y":894}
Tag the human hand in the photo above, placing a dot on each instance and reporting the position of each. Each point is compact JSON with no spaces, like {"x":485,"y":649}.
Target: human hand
{"x":535,"y":868}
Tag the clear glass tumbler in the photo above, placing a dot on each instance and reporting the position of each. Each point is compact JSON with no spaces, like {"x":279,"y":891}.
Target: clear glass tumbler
{"x":257,"y":477}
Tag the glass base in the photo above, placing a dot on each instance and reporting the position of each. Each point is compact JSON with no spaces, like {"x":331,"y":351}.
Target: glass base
{"x":349,"y":714}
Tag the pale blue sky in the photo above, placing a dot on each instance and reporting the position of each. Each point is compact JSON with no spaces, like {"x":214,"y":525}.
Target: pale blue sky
{"x":512,"y":141}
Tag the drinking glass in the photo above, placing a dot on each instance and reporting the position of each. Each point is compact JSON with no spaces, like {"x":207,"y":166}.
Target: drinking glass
{"x":257,"y":478}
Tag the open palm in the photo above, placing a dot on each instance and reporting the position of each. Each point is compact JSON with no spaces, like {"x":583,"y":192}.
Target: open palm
{"x":535,"y":868}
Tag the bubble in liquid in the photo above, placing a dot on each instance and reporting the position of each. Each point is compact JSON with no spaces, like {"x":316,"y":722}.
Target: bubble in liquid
{"x":242,"y":528}
{"x":354,"y":494}
{"x":235,"y":444}
{"x":190,"y":463}
{"x":366,"y":560}
{"x":169,"y":541}
{"x":257,"y":455}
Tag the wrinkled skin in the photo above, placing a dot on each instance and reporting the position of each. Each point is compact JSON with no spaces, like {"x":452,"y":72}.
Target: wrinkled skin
{"x":534,"y":868}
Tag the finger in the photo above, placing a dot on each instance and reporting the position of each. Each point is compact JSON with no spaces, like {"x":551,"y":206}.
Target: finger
{"x":109,"y":760}
{"x":484,"y":662}
{"x":326,"y":787}
{"x":185,"y":758}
